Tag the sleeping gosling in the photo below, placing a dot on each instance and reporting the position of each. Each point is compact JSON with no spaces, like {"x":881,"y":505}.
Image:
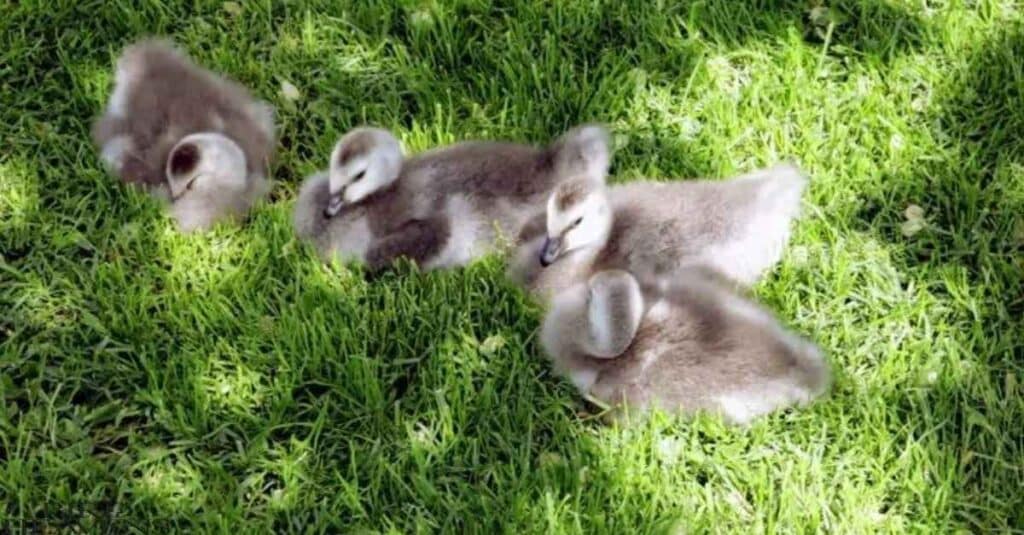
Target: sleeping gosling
{"x":695,"y":347}
{"x":442,"y":208}
{"x":186,"y":135}
{"x":736,"y":227}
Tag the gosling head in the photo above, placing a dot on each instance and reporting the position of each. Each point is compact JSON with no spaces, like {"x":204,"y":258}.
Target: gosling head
{"x":579,"y":216}
{"x":364,"y":161}
{"x":583,"y":151}
{"x":205,"y":163}
{"x":614,"y":310}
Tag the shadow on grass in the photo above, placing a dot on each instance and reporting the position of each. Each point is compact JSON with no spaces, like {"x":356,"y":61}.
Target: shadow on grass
{"x":972,"y":193}
{"x":977,"y":198}
{"x":399,"y":68}
{"x":971,"y":189}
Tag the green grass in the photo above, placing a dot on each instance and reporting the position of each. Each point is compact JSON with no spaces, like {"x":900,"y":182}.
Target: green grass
{"x":230,"y":382}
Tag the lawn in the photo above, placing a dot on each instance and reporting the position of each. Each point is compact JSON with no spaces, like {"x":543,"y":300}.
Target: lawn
{"x":230,"y":382}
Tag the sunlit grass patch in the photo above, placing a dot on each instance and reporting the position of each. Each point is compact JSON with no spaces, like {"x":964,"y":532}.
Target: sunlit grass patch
{"x":171,"y":483}
{"x":19,"y":196}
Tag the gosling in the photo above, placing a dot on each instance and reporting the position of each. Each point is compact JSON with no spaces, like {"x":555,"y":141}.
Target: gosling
{"x":696,"y":347}
{"x":442,"y":208}
{"x":188,"y":136}
{"x":736,"y":227}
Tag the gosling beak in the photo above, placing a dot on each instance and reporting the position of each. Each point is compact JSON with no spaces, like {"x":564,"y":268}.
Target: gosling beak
{"x":177,"y":190}
{"x":549,"y":253}
{"x":334,"y":206}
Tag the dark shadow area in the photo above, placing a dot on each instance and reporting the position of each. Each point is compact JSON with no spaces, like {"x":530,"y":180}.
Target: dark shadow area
{"x":971,"y":189}
{"x":972,"y":192}
{"x":966,"y":427}
{"x":978,"y":196}
{"x":574,"y":67}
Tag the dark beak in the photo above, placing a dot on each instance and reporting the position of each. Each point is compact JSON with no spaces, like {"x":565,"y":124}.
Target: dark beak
{"x":549,"y":253}
{"x":335,"y":205}
{"x":180,"y":192}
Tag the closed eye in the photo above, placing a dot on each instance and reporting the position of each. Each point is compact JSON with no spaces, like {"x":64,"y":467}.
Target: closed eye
{"x":191,"y":183}
{"x":359,"y":176}
{"x":577,"y":222}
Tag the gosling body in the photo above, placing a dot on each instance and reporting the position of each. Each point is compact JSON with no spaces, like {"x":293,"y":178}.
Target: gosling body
{"x":186,"y":135}
{"x":737,"y":228}
{"x":441,"y":208}
{"x":692,"y":346}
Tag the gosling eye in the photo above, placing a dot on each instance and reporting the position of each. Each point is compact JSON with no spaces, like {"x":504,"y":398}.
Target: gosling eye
{"x":359,"y":176}
{"x":577,"y":222}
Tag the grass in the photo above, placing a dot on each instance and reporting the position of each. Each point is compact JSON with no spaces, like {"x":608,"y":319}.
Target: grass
{"x":229,"y":382}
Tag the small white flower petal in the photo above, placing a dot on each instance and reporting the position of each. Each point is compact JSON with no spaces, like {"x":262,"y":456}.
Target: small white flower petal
{"x":289,"y":91}
{"x":233,"y":8}
{"x":492,"y":344}
{"x":912,"y":227}
{"x":800,"y":256}
{"x":896,"y":142}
